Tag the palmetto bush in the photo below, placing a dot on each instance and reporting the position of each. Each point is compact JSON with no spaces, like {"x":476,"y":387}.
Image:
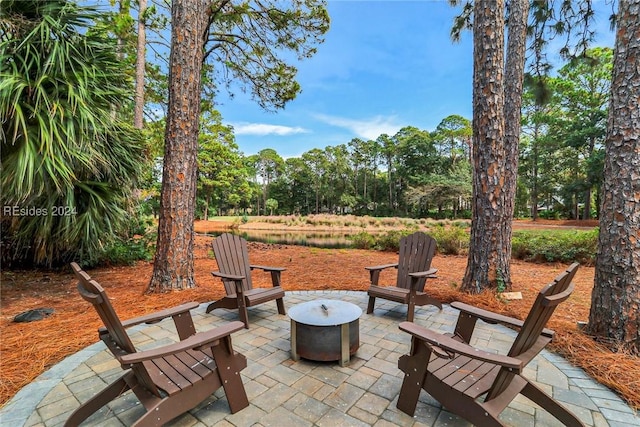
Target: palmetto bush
{"x":68,"y":161}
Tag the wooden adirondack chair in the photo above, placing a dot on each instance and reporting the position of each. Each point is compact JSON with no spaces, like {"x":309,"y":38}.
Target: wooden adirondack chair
{"x":475,"y":384}
{"x":232,"y":257}
{"x":169,"y":380}
{"x":414,"y":268}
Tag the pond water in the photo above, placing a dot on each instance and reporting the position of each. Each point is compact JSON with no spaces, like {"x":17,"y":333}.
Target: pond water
{"x":303,"y":238}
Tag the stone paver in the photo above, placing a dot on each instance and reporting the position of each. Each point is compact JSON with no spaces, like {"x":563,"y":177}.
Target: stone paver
{"x":305,"y":393}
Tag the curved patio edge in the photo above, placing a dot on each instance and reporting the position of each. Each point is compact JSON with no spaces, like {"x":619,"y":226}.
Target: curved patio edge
{"x":366,"y":388}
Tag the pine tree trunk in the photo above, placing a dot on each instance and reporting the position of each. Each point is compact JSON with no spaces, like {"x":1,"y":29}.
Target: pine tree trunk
{"x":173,"y":264}
{"x":513,"y":81}
{"x":487,"y":259}
{"x":586,"y":212}
{"x":389,"y":166}
{"x":615,"y":300}
{"x":364,"y":188}
{"x":534,"y":175}
{"x":138,"y":119}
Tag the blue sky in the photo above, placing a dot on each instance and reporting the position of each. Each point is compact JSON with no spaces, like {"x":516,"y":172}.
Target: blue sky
{"x":384,"y":65}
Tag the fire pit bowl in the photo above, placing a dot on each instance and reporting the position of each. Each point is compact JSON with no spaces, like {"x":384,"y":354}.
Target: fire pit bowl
{"x":325,"y":330}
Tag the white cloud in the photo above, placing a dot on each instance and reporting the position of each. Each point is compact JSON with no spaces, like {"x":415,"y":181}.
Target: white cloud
{"x":370,"y":128}
{"x":266,"y":129}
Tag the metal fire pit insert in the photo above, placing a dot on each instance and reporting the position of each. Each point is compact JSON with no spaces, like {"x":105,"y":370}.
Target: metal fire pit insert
{"x":325,"y":330}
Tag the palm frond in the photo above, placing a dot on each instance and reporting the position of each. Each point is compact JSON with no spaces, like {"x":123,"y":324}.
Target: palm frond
{"x":63,"y":147}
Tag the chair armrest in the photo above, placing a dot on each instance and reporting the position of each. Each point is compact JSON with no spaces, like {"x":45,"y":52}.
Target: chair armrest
{"x":448,"y":344}
{"x":374,"y":272}
{"x":274,"y":271}
{"x":227,"y":276}
{"x":493,"y":318}
{"x":265,"y":268}
{"x":156,"y":316}
{"x":196,"y":341}
{"x":235,"y":278}
{"x":430,"y":274}
{"x":382,"y":267}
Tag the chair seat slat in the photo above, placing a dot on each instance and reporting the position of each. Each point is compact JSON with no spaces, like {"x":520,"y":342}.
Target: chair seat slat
{"x":201,"y":362}
{"x":166,"y":376}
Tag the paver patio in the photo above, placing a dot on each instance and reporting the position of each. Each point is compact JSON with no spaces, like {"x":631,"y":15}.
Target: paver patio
{"x":305,"y":393}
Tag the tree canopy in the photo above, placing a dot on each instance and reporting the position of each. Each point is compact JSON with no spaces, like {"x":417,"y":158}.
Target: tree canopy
{"x":249,"y":43}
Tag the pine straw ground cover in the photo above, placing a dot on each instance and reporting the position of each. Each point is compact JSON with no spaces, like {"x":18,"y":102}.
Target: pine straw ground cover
{"x":28,"y":349}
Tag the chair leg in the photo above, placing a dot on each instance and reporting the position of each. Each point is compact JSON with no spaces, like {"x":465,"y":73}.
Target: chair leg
{"x":161,"y":411}
{"x":424,"y":299}
{"x":372,"y":303}
{"x":415,"y":368}
{"x":225,"y":302}
{"x":92,"y":405}
{"x":280,"y":304}
{"x":433,"y":302}
{"x":411,"y":308}
{"x":561,"y":413}
{"x":244,"y":316}
{"x":211,"y":307}
{"x":229,"y":370}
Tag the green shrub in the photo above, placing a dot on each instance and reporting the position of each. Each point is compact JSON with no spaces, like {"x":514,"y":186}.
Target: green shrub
{"x":389,"y":241}
{"x":138,"y":243}
{"x":536,"y":246}
{"x":362,"y":240}
{"x":451,"y":240}
{"x":550,"y":214}
{"x":127,"y":252}
{"x":555,"y":246}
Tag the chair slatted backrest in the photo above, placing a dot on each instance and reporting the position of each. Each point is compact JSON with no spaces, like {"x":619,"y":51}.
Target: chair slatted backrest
{"x":545,"y":304}
{"x":415,"y":254}
{"x":232,"y":257}
{"x":92,"y":292}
